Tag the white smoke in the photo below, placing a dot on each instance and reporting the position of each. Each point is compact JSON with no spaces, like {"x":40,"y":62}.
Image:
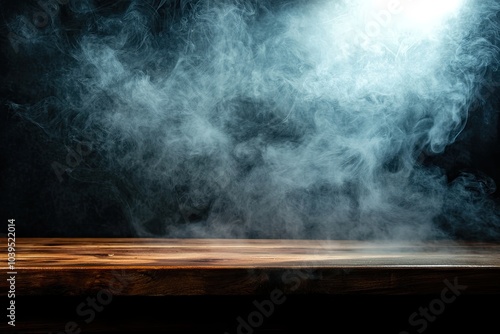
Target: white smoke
{"x":296,"y":119}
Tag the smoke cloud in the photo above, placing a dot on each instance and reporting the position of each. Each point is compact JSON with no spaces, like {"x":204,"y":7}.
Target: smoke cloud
{"x":272,"y":119}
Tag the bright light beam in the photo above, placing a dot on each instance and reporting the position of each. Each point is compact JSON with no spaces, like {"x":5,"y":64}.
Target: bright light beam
{"x":416,"y":16}
{"x":430,"y":12}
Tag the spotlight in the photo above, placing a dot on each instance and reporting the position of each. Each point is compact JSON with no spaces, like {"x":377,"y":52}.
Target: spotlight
{"x":388,"y":19}
{"x":429,"y":12}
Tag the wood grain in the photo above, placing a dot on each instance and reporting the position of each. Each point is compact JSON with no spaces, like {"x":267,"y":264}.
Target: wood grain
{"x":178,"y":267}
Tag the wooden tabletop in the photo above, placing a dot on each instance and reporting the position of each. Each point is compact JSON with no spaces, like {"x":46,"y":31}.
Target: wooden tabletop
{"x":149,"y":267}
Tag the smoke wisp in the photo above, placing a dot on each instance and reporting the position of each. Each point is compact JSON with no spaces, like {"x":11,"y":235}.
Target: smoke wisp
{"x":273,"y":119}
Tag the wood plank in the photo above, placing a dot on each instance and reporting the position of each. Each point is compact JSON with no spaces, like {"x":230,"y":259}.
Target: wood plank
{"x":169,"y":267}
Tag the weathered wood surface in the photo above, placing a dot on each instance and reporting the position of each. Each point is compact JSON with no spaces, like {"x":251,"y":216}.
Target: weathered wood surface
{"x":156,"y":267}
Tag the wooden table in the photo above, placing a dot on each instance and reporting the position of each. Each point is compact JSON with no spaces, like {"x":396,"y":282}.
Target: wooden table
{"x":207,"y":286}
{"x":155,"y":267}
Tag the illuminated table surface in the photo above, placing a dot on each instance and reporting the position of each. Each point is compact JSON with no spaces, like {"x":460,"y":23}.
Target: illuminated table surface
{"x":189,"y":267}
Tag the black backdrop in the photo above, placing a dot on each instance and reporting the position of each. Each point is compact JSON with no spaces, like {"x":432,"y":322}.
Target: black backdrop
{"x":31,"y":191}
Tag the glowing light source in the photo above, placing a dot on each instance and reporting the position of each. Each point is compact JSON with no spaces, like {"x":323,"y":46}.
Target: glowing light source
{"x":386,"y":20}
{"x":430,"y":11}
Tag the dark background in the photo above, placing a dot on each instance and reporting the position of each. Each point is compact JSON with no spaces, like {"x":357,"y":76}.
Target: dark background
{"x":31,"y":192}
{"x":81,"y":205}
{"x":298,"y":314}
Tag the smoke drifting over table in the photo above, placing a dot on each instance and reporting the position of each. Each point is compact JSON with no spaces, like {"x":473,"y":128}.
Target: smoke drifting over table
{"x":283,"y":119}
